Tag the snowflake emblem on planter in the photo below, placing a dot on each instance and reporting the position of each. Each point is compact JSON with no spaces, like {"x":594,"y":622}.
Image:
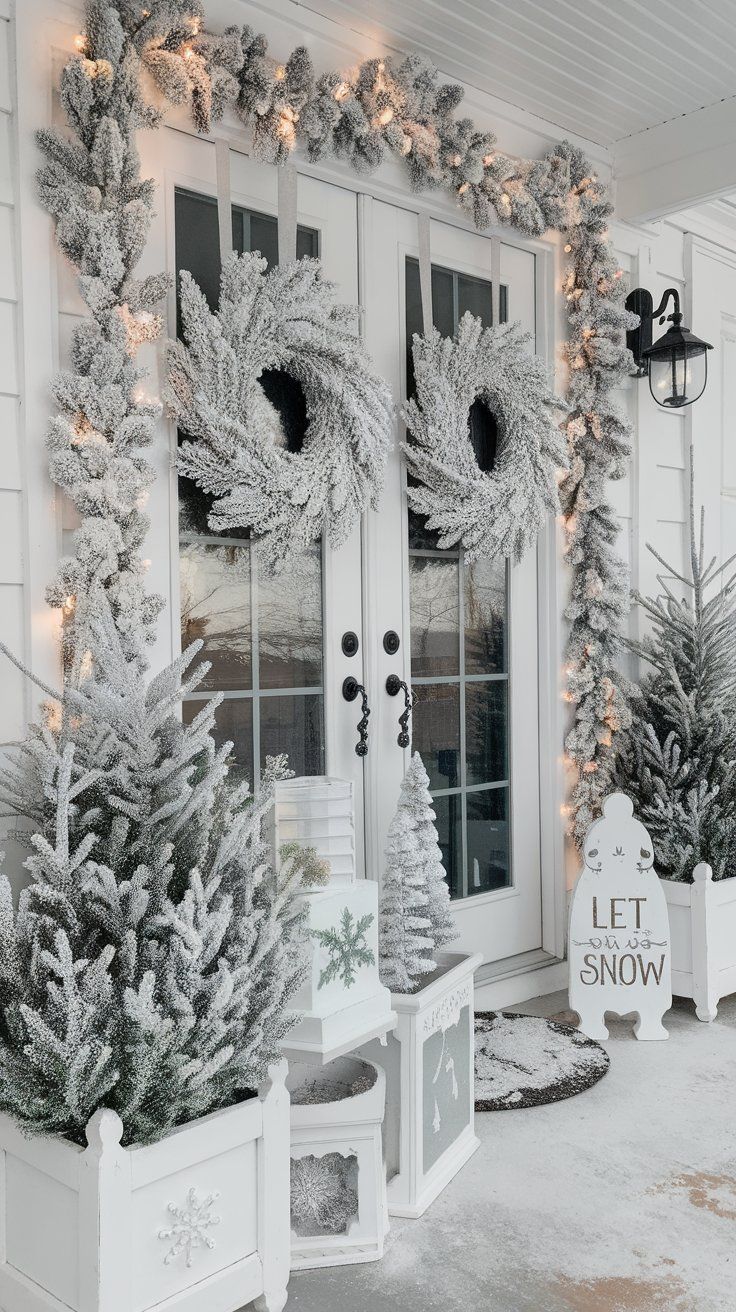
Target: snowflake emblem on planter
{"x":191,"y":1223}
{"x":346,"y":947}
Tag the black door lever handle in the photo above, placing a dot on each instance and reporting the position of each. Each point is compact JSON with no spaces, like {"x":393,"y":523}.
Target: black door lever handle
{"x":350,"y":690}
{"x":393,"y":685}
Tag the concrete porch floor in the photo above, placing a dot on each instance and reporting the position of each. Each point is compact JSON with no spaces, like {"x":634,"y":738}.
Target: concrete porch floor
{"x":622,"y":1199}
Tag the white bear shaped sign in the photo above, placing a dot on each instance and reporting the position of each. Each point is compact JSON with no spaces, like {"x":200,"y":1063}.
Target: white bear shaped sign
{"x":619,"y":942}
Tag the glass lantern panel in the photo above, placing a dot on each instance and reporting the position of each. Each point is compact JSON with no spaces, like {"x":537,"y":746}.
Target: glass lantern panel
{"x":678,"y":380}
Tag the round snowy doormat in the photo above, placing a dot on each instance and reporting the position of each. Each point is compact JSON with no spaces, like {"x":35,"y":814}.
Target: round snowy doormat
{"x":522,"y":1061}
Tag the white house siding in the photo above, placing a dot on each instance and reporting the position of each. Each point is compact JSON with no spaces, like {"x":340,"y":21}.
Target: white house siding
{"x":13,"y":596}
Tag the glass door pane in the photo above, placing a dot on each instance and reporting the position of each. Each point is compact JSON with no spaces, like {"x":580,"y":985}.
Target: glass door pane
{"x":459,"y":644}
{"x":262,"y":635}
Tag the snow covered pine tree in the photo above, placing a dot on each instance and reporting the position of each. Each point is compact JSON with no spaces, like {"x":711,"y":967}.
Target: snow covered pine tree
{"x":678,"y":758}
{"x":150,"y":963}
{"x":152,"y":958}
{"x":415,"y":916}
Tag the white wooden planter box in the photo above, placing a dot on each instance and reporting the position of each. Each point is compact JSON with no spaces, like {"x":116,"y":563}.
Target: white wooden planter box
{"x":703,"y":933}
{"x":350,"y":1127}
{"x":198,"y":1222}
{"x":429,"y":1132}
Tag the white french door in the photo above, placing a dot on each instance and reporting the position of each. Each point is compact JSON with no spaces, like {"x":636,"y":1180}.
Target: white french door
{"x":470,"y":632}
{"x":467,"y":636}
{"x":274,"y":643}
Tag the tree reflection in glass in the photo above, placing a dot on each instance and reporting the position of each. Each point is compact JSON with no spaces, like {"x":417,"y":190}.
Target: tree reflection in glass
{"x":215,"y":607}
{"x":290,"y":624}
{"x":485,"y":617}
{"x":435,"y":616}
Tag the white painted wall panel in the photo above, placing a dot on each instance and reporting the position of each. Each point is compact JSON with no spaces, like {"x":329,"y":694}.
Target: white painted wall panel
{"x":12,"y":692}
{"x":8,"y":349}
{"x":670,"y":540}
{"x":669,"y":495}
{"x":10,"y":469}
{"x":6,"y":98}
{"x":8,"y":265}
{"x":728,"y":411}
{"x":7,"y":183}
{"x":11,"y":537}
{"x":13,"y":618}
{"x":666,"y":435}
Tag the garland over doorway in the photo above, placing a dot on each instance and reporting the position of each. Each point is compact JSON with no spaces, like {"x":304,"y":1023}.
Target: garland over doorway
{"x":92,"y":186}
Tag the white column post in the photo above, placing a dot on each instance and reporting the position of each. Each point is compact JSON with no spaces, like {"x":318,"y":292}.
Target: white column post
{"x":274,"y":1164}
{"x":105,"y":1256}
{"x":705,"y":991}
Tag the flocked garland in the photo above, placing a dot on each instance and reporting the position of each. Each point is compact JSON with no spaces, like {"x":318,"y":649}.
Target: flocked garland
{"x":93,"y":188}
{"x":278,"y":319}
{"x":497,"y":512}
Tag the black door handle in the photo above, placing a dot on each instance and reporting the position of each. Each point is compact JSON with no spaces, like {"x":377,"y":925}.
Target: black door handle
{"x":350,"y":690}
{"x":393,"y":685}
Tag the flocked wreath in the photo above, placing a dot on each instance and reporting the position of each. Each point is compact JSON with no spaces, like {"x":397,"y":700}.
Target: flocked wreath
{"x":278,"y":319}
{"x":489,"y":512}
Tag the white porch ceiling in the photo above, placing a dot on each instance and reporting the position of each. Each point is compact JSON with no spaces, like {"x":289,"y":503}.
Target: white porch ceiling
{"x":603,"y":70}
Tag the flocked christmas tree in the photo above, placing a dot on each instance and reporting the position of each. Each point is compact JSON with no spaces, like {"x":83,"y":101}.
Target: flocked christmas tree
{"x":151,"y":960}
{"x":415,"y":916}
{"x":405,"y":948}
{"x":678,"y":758}
{"x":418,"y":800}
{"x":149,"y":964}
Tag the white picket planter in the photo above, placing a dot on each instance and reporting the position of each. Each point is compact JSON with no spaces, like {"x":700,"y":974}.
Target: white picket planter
{"x":198,"y":1222}
{"x":703,"y":933}
{"x":429,"y":1130}
{"x":351,"y":1127}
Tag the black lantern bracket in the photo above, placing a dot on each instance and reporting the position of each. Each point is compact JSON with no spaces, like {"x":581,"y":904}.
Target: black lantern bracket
{"x":669,"y":358}
{"x":639,"y":340}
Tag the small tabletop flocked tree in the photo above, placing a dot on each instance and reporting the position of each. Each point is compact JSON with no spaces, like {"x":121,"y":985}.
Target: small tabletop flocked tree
{"x":678,"y":759}
{"x":415,"y":916}
{"x":405,"y":948}
{"x":151,"y":960}
{"x":418,"y":799}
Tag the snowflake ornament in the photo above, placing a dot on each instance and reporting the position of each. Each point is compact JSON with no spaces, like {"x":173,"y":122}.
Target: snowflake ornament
{"x":191,"y":1223}
{"x":347,"y":948}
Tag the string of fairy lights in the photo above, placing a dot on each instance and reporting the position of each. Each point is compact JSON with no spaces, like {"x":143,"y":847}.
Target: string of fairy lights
{"x":386,"y":106}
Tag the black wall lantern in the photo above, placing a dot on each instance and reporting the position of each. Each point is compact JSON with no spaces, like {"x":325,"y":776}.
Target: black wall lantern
{"x":677,"y":363}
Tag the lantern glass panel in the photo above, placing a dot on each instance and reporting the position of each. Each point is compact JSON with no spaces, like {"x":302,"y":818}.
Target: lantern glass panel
{"x":678,"y":378}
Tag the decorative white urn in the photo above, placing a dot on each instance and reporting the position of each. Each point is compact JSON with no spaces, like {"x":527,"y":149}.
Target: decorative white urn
{"x":703,"y":936}
{"x":429,"y":1128}
{"x":198,"y":1222}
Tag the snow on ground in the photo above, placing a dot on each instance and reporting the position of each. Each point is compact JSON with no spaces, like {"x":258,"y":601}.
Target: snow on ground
{"x":622,"y":1199}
